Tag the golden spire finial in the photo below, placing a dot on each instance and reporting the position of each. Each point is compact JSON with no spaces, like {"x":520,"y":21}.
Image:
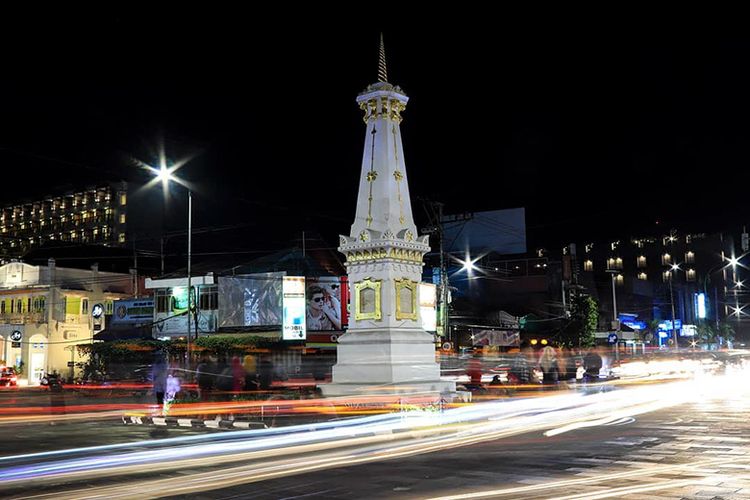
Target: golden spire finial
{"x":382,"y":73}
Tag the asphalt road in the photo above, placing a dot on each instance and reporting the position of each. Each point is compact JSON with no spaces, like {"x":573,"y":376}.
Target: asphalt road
{"x":697,"y":450}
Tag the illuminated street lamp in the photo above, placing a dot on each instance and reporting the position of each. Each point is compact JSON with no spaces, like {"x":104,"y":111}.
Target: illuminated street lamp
{"x":723,"y":265}
{"x":165,"y":175}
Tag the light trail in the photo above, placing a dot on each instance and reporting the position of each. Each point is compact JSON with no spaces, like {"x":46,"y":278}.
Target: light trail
{"x":273,"y":453}
{"x":388,"y":438}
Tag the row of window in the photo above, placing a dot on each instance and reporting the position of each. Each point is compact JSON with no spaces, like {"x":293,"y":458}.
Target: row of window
{"x":40,"y":208}
{"x":640,"y":261}
{"x":76,"y":219}
{"x":166,"y":301}
{"x":690,"y":275}
{"x":21,"y":305}
{"x":38,"y":304}
{"x":84,"y":236}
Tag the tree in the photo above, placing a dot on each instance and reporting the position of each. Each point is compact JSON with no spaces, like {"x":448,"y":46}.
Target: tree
{"x":584,"y":318}
{"x":706,"y":333}
{"x":726,"y":331}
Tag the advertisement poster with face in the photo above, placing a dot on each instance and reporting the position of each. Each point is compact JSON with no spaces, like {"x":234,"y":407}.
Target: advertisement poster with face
{"x":327,"y":304}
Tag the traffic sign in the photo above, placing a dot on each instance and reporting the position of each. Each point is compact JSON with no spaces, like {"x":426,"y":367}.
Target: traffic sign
{"x":16,"y":336}
{"x":612,"y":339}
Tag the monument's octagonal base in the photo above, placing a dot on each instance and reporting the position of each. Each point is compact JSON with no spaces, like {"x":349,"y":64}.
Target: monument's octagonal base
{"x":386,"y":361}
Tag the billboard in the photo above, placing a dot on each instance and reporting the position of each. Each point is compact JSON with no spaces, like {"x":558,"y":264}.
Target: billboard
{"x":250,"y":300}
{"x":428,"y":306}
{"x":327,"y":303}
{"x":166,"y":325}
{"x":132,"y":312}
{"x":501,"y":231}
{"x":293,"y":289}
{"x":503,"y":338}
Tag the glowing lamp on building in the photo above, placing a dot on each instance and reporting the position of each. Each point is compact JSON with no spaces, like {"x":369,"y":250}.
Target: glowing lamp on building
{"x":700,"y":301}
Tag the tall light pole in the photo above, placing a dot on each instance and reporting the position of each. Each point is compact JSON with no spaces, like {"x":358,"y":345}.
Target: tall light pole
{"x":674,"y":268}
{"x":614,"y":273}
{"x":732,"y":261}
{"x":164,"y":174}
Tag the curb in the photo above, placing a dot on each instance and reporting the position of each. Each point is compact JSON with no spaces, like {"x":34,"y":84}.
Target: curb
{"x":192,"y":422}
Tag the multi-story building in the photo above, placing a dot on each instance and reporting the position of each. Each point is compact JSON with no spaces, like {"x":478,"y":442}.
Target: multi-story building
{"x":700,"y":276}
{"x":95,"y":215}
{"x":46,"y":311}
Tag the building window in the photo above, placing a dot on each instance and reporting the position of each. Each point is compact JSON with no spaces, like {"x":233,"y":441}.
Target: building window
{"x":641,"y":261}
{"x":690,"y":275}
{"x":666,"y":260}
{"x":123,"y":199}
{"x":619,"y":280}
{"x":84,"y":306}
{"x":614,"y":263}
{"x":666,"y":275}
{"x":121,"y":238}
{"x":2,"y":307}
{"x":19,"y":306}
{"x":642,"y":276}
{"x":588,"y":265}
{"x":109,"y":306}
{"x":162,"y":300}
{"x":122,"y":218}
{"x":689,"y":257}
{"x":209,"y":296}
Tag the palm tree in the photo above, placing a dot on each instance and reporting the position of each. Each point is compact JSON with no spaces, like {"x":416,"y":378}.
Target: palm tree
{"x":706,"y":333}
{"x":726,"y":331}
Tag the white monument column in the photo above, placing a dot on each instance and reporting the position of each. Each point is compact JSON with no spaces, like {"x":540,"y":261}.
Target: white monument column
{"x":385,"y":350}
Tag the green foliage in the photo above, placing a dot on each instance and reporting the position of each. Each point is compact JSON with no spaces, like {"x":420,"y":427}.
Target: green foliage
{"x":706,"y":333}
{"x":106,"y":357}
{"x":726,"y":331}
{"x":584,"y":318}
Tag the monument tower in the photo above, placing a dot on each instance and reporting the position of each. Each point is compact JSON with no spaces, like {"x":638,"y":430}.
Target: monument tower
{"x":385,"y":350}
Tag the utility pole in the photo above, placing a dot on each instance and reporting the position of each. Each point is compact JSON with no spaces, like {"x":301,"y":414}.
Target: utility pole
{"x":434,"y":211}
{"x":162,"y":254}
{"x":443,"y":278}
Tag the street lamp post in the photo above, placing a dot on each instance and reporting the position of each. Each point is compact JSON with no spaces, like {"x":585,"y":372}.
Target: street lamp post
{"x":164,"y":174}
{"x":671,"y":300}
{"x":189,"y":257}
{"x":732,"y":261}
{"x":614,"y":273}
{"x":615,"y":322}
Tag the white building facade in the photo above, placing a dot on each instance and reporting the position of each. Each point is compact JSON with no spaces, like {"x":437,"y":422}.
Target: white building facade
{"x":46,"y":311}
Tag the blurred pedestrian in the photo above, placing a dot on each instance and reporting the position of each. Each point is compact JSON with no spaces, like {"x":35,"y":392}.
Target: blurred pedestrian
{"x":238,"y":375}
{"x":251,"y":372}
{"x":566,"y":363}
{"x":159,"y":372}
{"x":592,"y":364}
{"x":520,"y":371}
{"x":205,"y":376}
{"x":265,"y":373}
{"x":548,"y":365}
{"x":474,"y":371}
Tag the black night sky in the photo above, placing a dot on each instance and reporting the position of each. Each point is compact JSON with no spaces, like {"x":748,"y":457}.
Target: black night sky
{"x":599,"y":133}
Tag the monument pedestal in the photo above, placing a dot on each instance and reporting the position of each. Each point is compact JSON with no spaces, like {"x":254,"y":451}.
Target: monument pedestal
{"x":386,"y":361}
